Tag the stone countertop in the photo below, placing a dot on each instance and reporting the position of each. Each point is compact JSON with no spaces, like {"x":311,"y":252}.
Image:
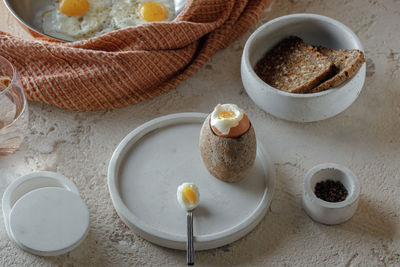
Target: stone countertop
{"x":365,"y":138}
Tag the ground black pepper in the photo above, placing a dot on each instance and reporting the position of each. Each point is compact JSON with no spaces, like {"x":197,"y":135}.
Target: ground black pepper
{"x":331,"y":191}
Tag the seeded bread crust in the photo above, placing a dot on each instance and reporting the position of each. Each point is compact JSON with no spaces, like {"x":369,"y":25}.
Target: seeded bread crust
{"x":348,"y":63}
{"x":295,"y":67}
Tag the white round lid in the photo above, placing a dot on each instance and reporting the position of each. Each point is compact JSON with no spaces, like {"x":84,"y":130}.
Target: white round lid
{"x":49,"y":221}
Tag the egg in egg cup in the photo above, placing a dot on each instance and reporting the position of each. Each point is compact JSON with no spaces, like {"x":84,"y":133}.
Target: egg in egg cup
{"x":228,"y":143}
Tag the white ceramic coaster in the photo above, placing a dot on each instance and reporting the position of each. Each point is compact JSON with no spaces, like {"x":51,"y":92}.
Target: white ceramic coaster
{"x":153,"y":160}
{"x":44,"y":214}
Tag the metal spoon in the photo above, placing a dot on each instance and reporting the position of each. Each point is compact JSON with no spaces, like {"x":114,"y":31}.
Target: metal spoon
{"x":189,"y":205}
{"x":189,"y":244}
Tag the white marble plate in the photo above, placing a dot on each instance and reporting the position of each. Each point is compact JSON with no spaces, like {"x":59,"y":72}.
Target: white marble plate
{"x":149,"y":164}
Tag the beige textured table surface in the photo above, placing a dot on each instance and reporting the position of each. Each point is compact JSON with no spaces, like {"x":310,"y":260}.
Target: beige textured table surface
{"x":365,"y":138}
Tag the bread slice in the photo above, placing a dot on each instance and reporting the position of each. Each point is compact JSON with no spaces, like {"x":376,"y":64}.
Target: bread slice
{"x":348,"y":63}
{"x":294,"y":66}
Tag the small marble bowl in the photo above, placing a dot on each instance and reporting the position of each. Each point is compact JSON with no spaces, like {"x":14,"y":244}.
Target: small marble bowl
{"x":330,"y":212}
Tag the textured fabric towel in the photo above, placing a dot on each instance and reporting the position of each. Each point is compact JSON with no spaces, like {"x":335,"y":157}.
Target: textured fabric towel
{"x":130,"y":65}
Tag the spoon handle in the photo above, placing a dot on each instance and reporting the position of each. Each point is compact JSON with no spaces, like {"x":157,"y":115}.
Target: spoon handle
{"x":189,"y":245}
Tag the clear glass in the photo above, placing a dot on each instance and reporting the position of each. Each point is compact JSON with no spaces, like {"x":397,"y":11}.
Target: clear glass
{"x":13,"y":109}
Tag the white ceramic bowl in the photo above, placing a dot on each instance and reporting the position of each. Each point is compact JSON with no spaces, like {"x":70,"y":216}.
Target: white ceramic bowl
{"x":330,"y":212}
{"x":314,"y":30}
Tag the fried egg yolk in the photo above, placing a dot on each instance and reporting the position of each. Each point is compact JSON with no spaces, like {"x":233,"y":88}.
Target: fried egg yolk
{"x":189,"y":195}
{"x":73,"y":7}
{"x":153,"y":11}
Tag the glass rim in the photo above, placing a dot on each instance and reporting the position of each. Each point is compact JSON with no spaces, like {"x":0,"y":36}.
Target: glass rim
{"x":14,"y":76}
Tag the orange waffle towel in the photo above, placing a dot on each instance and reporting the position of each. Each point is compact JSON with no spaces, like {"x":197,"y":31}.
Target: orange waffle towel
{"x":129,"y":65}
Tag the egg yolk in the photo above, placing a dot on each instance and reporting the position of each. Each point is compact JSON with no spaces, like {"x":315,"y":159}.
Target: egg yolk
{"x":73,"y":7}
{"x":153,"y":11}
{"x":226,"y":114}
{"x":189,"y":195}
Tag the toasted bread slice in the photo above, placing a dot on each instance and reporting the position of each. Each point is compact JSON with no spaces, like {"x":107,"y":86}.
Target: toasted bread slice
{"x":294,"y":67}
{"x":348,"y":63}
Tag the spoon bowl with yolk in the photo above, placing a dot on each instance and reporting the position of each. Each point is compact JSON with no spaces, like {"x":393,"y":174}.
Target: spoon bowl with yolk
{"x":188,"y":196}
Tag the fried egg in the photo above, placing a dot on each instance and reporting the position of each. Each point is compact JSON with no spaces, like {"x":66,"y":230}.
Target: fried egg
{"x":228,"y":120}
{"x":188,"y":196}
{"x":80,"y":19}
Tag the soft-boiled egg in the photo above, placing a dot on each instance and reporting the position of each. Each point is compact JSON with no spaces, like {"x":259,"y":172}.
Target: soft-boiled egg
{"x":228,"y":120}
{"x":79,"y":19}
{"x":188,"y":196}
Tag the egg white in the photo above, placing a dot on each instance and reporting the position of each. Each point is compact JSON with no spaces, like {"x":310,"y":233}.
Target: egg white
{"x":102,"y":16}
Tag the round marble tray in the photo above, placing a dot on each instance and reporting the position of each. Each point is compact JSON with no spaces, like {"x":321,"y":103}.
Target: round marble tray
{"x":149,"y":164}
